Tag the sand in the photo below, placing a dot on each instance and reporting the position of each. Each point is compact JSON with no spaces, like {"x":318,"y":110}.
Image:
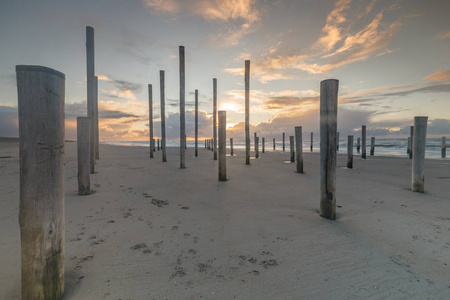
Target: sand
{"x":153,"y":231}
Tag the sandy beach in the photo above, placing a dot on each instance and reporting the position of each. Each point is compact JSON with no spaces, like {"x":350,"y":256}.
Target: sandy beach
{"x":152,"y":230}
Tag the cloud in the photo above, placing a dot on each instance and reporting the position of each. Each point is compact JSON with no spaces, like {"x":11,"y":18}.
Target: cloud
{"x":439,"y":75}
{"x":444,"y":34}
{"x":9,"y":121}
{"x":122,"y":88}
{"x":163,"y":6}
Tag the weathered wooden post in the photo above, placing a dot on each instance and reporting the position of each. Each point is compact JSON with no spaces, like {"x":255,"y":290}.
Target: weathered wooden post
{"x":255,"y":142}
{"x":231,"y":147}
{"x":90,"y":80}
{"x":443,"y":147}
{"x":84,"y":176}
{"x":222,"y":145}
{"x":263,"y":145}
{"x":418,"y":149}
{"x":328,"y":125}
{"x":337,"y":141}
{"x":358,"y":145}
{"x":299,"y":148}
{"x":196,"y":123}
{"x":158,"y":143}
{"x":408,"y":148}
{"x":350,"y":152}
{"x":150,"y":119}
{"x":247,"y":112}
{"x":215,"y":117}
{"x":411,"y":133}
{"x":291,"y":145}
{"x":153,"y":145}
{"x":97,"y":137}
{"x":312,"y":143}
{"x":363,"y":137}
{"x":256,"y":146}
{"x":273,"y":144}
{"x":212,"y":145}
{"x":41,"y":93}
{"x":284,"y":144}
{"x":372,"y":146}
{"x":182,"y":111}
{"x":163,"y":115}
{"x":205,"y":143}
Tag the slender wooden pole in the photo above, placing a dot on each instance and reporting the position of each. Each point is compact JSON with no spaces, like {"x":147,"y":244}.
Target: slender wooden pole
{"x":196,"y":123}
{"x":299,"y":148}
{"x":97,"y":137}
{"x":158,"y":144}
{"x":274,"y":144}
{"x":418,"y":149}
{"x":443,"y":147}
{"x":182,"y":110}
{"x":231,"y":146}
{"x":312,"y":143}
{"x":215,"y":117}
{"x":247,"y":112}
{"x":41,"y":95}
{"x":263,"y":145}
{"x":350,"y":152}
{"x":291,"y":145}
{"x":328,"y":125}
{"x":90,"y":80}
{"x":256,"y":146}
{"x":411,"y":133}
{"x":150,"y":119}
{"x":163,"y":115}
{"x":337,"y":141}
{"x":284,"y":144}
{"x":153,"y":145}
{"x":408,"y":149}
{"x":84,"y":176}
{"x":372,"y":146}
{"x":222,"y":145}
{"x":363,"y":137}
{"x":358,"y":145}
{"x":205,"y":143}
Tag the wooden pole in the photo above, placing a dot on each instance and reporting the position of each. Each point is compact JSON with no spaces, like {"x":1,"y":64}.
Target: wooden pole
{"x":196,"y":123}
{"x":263,"y":145}
{"x":372,"y":146}
{"x":150,"y":119}
{"x":274,"y":144}
{"x":158,"y":144}
{"x":358,"y":145}
{"x":337,"y":141}
{"x":163,"y":115}
{"x":84,"y":176}
{"x":408,"y":148}
{"x":247,"y":112}
{"x":215,"y":117}
{"x":41,"y":93}
{"x":231,"y":146}
{"x":418,"y":149}
{"x":284,"y":144}
{"x":222,"y":145}
{"x":97,"y":137}
{"x":256,"y":146}
{"x":299,"y":148}
{"x":255,"y":142}
{"x":90,"y":80}
{"x":153,"y":145}
{"x":443,"y":147}
{"x":291,"y":145}
{"x":411,"y":133}
{"x":350,"y":152}
{"x":328,"y":125}
{"x":182,"y":110}
{"x":312,"y":143}
{"x":363,"y":137}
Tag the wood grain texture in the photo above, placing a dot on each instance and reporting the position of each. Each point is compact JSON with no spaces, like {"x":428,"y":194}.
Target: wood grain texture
{"x":84,"y":176}
{"x":299,"y":148}
{"x":418,"y":150}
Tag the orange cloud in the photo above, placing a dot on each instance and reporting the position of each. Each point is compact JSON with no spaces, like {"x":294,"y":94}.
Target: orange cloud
{"x":445,"y":34}
{"x":439,"y":75}
{"x":163,"y":6}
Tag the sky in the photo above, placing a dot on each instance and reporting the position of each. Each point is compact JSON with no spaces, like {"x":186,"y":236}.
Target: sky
{"x":391,"y":58}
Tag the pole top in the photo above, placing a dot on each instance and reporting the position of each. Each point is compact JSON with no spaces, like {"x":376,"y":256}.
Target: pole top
{"x":31,"y":68}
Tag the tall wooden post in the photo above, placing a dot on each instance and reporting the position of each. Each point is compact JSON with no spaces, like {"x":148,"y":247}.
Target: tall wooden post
{"x":443,"y":147}
{"x":90,"y":80}
{"x":328,"y":125}
{"x":284,"y":143}
{"x":97,"y":137}
{"x":196,"y":123}
{"x":358,"y":145}
{"x":153,"y":145}
{"x":411,"y":133}
{"x":158,"y":143}
{"x":408,"y":148}
{"x":299,"y":148}
{"x":337,"y":141}
{"x":372,"y":146}
{"x":231,"y":147}
{"x":215,"y":117}
{"x":273,"y":144}
{"x":247,"y":112}
{"x":363,"y":137}
{"x":150,"y":119}
{"x":84,"y":176}
{"x":350,"y":152}
{"x":418,"y":149}
{"x":291,"y":145}
{"x":312,"y":143}
{"x":222,"y":145}
{"x":263,"y":145}
{"x":41,"y":93}
{"x":163,"y":115}
{"x":256,"y":146}
{"x":182,"y":111}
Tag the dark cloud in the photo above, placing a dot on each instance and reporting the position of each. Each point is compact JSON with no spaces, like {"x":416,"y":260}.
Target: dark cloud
{"x":284,"y":101}
{"x":9,"y":121}
{"x":124,"y":85}
{"x":115,"y":114}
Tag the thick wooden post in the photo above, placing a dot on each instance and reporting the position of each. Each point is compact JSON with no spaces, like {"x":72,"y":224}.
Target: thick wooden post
{"x":150,"y":119}
{"x":231,"y":147}
{"x":222,"y":145}
{"x":41,"y":93}
{"x":312,"y":143}
{"x":443,"y":147}
{"x":284,"y":143}
{"x":182,"y":111}
{"x":163,"y":115}
{"x":372,"y":146}
{"x":97,"y":137}
{"x":90,"y":80}
{"x":411,"y":133}
{"x":363,"y":137}
{"x":299,"y":148}
{"x":358,"y":145}
{"x":196,"y":123}
{"x":263,"y":145}
{"x":291,"y":145}
{"x":350,"y":152}
{"x":256,"y":146}
{"x":84,"y":176}
{"x":274,"y":144}
{"x":328,"y":125}
{"x":247,"y":112}
{"x":418,"y":149}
